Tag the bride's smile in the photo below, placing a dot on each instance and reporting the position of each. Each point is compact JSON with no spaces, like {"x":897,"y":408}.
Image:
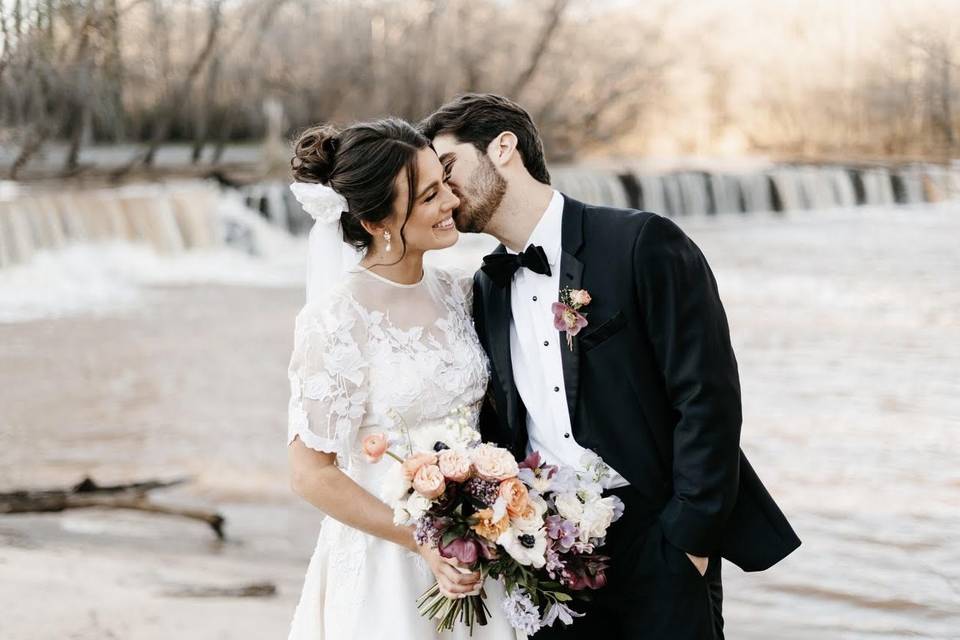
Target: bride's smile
{"x":444,"y":225}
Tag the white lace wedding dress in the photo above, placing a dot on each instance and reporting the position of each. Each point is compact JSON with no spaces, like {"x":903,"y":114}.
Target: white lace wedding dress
{"x":375,"y":349}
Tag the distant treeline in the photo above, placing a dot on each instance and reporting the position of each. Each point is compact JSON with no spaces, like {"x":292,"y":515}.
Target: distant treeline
{"x":596,"y":76}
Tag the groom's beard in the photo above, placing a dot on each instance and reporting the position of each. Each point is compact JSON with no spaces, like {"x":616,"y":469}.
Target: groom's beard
{"x":481,"y":199}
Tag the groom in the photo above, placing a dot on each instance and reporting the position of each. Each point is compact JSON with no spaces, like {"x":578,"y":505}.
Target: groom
{"x":650,"y":384}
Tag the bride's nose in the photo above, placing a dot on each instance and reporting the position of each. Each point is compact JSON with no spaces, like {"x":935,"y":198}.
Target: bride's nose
{"x":450,"y":201}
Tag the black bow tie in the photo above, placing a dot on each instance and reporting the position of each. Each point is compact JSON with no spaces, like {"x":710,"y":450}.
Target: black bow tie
{"x":501,"y":266}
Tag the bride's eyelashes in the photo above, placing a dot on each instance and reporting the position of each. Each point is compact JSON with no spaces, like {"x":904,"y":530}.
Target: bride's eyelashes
{"x":433,"y":195}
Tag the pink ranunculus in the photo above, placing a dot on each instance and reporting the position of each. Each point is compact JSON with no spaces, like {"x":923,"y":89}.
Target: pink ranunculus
{"x":414,"y":462}
{"x":567,"y":319}
{"x":494,"y":463}
{"x":429,"y":481}
{"x":580,"y":297}
{"x":374,"y":446}
{"x":454,"y":465}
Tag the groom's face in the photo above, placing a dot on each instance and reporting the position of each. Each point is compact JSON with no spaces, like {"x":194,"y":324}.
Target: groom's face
{"x":473,"y":179}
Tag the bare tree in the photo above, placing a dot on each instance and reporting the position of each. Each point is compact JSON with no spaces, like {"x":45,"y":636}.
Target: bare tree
{"x":547,"y":31}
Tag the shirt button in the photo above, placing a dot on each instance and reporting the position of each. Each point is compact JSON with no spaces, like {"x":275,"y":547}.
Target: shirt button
{"x":534,"y":298}
{"x":556,"y":388}
{"x":546,"y":343}
{"x":566,"y":435}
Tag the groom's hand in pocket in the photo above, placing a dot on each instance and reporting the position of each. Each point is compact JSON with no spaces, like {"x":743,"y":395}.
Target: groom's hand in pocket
{"x":700,"y":563}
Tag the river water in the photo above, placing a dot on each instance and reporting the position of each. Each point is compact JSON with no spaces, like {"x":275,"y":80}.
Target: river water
{"x":846,"y":325}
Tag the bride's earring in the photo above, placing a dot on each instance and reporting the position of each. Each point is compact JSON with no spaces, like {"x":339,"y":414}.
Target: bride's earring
{"x":386,"y":236}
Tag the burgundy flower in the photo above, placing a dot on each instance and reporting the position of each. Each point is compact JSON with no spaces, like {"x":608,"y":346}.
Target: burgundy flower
{"x":567,"y":319}
{"x":463,"y":549}
{"x":532,"y":461}
{"x":585,"y":572}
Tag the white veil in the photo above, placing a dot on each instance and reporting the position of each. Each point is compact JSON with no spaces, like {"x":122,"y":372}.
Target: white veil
{"x":329,"y":257}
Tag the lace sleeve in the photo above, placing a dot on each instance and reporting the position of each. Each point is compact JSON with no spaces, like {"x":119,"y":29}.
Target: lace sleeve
{"x":328,"y":379}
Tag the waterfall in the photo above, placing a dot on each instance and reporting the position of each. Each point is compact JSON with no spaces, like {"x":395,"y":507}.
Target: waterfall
{"x":170,"y":218}
{"x":755,"y":188}
{"x":843,"y":191}
{"x":180,"y":216}
{"x":653,"y":197}
{"x":590,"y":186}
{"x":696,"y":198}
{"x":877,"y":186}
{"x":788,"y":188}
{"x":727,"y":192}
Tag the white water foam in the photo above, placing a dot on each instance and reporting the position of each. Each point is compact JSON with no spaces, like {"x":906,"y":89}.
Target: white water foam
{"x":110,"y":277}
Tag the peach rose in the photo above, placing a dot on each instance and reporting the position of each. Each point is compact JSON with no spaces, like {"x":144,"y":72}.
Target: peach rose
{"x":493,"y":463}
{"x":454,"y":465}
{"x":374,"y":446}
{"x":580,"y":297}
{"x":429,"y":481}
{"x":414,"y":462}
{"x":486,"y":527}
{"x":514,"y":493}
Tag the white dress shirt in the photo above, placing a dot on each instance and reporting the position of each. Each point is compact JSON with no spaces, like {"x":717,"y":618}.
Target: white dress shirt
{"x":535,"y":350}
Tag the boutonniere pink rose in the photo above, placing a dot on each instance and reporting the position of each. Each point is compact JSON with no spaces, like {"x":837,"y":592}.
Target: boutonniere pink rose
{"x":566,"y":313}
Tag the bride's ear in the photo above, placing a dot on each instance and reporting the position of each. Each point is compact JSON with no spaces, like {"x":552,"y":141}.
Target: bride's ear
{"x":375,"y":229}
{"x":503,"y":148}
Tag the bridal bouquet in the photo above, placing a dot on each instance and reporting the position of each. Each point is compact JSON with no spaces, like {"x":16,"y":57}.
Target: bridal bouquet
{"x":533,"y":526}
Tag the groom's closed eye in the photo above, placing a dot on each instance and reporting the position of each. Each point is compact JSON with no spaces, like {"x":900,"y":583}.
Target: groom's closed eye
{"x":447,"y":160}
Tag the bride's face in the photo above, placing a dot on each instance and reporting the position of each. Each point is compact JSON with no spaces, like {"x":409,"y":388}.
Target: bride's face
{"x":430,"y":224}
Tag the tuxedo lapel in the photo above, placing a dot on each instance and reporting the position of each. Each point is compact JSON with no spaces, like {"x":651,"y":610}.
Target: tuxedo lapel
{"x":571,"y":276}
{"x":498,"y":323}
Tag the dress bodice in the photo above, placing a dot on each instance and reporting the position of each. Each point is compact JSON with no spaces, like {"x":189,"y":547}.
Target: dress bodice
{"x":380,"y":356}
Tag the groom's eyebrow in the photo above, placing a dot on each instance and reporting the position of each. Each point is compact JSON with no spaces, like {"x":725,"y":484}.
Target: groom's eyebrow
{"x":447,"y":160}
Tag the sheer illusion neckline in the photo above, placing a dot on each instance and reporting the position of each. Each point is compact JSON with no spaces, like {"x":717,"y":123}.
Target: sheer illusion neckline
{"x":392,"y":283}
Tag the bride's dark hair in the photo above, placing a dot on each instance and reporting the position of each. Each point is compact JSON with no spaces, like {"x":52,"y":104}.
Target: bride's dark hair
{"x":361,"y":163}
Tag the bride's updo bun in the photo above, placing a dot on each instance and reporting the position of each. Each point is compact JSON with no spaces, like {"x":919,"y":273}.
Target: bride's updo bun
{"x":361,"y":162}
{"x":314,"y":154}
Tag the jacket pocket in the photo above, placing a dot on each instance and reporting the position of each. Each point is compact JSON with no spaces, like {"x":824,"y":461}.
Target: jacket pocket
{"x":603,"y":332}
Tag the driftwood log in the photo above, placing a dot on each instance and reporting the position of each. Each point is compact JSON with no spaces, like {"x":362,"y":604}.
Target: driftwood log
{"x":253,"y":590}
{"x":89,"y":494}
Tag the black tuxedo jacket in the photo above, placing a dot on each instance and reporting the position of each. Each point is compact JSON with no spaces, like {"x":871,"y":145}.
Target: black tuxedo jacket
{"x":651,"y":383}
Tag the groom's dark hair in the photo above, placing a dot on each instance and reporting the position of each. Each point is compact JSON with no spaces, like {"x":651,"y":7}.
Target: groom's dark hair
{"x":478,"y":118}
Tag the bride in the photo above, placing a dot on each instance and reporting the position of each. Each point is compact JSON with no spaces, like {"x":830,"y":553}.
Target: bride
{"x":383,"y":343}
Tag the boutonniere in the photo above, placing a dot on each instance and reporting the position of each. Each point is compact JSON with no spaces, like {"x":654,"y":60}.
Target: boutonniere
{"x":566,"y":313}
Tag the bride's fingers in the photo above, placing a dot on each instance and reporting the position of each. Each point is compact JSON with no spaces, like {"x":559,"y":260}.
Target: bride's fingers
{"x":461,"y":581}
{"x":458,"y":573}
{"x":452,"y":590}
{"x":468,"y":576}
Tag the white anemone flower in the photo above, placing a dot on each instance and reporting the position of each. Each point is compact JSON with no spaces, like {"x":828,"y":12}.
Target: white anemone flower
{"x":527,"y":548}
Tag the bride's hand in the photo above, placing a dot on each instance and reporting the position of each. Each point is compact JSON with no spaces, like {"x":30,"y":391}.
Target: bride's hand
{"x":453,"y":580}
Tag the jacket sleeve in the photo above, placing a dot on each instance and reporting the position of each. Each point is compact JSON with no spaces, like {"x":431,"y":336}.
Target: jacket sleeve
{"x":687,"y":328}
